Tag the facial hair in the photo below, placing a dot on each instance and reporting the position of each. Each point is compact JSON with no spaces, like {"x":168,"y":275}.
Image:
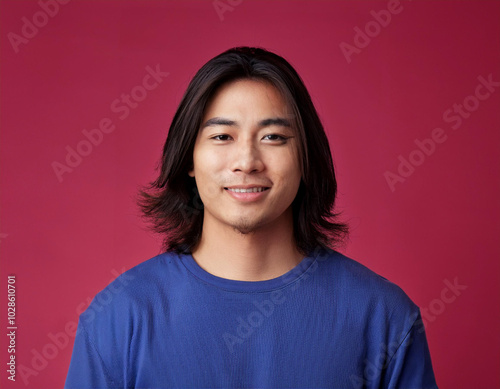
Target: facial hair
{"x":245,"y":226}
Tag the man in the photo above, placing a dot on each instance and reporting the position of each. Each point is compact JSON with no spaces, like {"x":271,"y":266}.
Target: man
{"x":249,"y":292}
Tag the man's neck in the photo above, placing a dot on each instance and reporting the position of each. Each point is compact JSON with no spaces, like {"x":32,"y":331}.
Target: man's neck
{"x":266,"y":253}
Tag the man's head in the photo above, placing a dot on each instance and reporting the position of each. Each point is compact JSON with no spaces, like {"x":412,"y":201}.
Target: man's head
{"x":226,"y":135}
{"x":245,"y":160}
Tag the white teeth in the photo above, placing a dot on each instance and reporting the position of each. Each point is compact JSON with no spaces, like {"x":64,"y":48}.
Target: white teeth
{"x":250,"y":190}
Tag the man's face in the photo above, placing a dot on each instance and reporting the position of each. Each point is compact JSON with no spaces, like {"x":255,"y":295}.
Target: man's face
{"x":245,"y":159}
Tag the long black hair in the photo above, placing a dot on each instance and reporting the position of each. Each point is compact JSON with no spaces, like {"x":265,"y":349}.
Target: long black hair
{"x":172,"y":204}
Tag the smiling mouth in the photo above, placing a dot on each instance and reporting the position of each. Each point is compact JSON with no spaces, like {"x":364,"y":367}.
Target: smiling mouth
{"x":248,"y":190}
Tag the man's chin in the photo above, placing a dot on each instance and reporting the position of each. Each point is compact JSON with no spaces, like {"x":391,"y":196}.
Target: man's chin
{"x":246,"y":227}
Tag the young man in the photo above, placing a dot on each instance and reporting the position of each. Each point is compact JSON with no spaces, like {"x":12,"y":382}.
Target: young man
{"x":249,"y":292}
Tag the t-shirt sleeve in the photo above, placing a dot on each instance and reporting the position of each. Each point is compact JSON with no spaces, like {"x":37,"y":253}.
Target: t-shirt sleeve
{"x":86,"y":369}
{"x":410,"y":367}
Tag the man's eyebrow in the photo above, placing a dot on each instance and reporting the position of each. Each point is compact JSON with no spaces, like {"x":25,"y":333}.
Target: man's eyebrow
{"x":275,"y":122}
{"x":218,"y":121}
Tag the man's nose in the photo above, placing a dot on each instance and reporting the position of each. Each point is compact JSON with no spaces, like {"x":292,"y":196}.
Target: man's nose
{"x":247,"y":157}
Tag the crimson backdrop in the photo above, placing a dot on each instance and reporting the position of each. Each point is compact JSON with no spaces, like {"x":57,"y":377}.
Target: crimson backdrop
{"x":409,"y":98}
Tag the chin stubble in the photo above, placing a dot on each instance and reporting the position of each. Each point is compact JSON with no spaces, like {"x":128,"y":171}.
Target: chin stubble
{"x":244,"y":227}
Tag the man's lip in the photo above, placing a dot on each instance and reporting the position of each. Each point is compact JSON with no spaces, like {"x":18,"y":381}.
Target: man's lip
{"x":246,"y":187}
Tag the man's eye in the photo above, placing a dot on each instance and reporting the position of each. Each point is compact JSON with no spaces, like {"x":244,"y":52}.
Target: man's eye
{"x":221,"y":137}
{"x":275,"y":137}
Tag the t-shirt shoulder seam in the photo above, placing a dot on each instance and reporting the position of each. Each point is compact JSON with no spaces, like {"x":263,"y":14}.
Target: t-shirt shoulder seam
{"x":87,"y":335}
{"x":404,"y":339}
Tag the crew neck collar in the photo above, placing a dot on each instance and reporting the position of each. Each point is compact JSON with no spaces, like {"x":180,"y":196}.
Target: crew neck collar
{"x":247,"y":286}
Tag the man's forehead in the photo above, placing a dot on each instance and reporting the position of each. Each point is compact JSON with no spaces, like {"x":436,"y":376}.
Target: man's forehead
{"x":225,"y":111}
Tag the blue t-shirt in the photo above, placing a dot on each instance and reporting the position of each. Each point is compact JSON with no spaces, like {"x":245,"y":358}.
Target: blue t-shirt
{"x":330,"y":322}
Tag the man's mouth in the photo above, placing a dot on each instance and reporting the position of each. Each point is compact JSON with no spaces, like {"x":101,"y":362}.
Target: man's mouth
{"x":247,"y":190}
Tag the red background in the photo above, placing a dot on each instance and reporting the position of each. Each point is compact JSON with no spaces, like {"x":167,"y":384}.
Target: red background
{"x":63,"y":240}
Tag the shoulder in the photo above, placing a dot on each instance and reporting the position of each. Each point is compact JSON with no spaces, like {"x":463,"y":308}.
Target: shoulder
{"x":133,"y":291}
{"x":356,"y":277}
{"x":136,"y":277}
{"x":153,"y":267}
{"x":128,"y":304}
{"x":357,"y":287}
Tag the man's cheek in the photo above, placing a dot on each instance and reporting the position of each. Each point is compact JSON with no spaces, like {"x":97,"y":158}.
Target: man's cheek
{"x":212,"y":189}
